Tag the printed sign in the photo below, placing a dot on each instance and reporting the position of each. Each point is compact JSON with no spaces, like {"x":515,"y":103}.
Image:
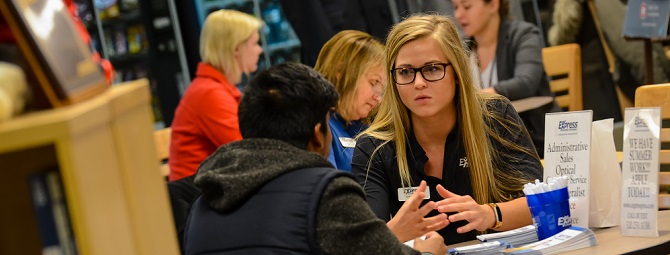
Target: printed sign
{"x":567,"y":142}
{"x":639,"y":192}
{"x":646,"y":18}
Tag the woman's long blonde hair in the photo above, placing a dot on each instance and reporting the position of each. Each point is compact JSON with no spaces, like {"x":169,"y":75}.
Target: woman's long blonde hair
{"x":222,"y":32}
{"x":344,"y":59}
{"x":392,"y":122}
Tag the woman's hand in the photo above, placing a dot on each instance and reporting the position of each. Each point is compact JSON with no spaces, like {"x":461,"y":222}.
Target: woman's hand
{"x":479,"y":217}
{"x":409,"y":222}
{"x":434,"y":243}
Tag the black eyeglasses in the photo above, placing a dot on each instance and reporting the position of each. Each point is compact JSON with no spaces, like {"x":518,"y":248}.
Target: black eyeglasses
{"x":429,"y":72}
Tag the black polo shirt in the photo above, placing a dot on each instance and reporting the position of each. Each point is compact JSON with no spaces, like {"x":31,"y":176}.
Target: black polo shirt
{"x":382,"y":181}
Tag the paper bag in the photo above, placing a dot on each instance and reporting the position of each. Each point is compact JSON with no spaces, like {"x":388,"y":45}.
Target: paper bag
{"x":605,"y":177}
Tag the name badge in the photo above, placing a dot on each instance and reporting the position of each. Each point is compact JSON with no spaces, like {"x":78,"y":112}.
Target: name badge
{"x":347,"y":142}
{"x":406,"y":193}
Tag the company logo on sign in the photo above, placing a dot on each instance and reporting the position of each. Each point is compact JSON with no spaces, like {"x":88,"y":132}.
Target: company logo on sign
{"x":567,"y":126}
{"x":643,"y":10}
{"x":640,"y":122}
{"x":565,"y":221}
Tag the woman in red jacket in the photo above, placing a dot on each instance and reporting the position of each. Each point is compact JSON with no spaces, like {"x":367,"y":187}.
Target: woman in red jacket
{"x":206,"y":116}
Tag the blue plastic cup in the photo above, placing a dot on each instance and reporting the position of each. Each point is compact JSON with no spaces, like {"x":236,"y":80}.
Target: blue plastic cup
{"x":551,"y":212}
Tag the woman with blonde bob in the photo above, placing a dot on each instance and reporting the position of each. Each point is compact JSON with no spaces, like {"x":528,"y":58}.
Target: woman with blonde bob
{"x":353,"y":61}
{"x":206,"y":116}
{"x":436,"y":133}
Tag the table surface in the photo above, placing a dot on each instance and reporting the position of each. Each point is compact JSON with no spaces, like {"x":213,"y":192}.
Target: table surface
{"x":610,"y":241}
{"x":529,"y":103}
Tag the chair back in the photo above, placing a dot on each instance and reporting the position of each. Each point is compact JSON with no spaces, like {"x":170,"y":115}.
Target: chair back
{"x":563,"y":65}
{"x":162,"y":141}
{"x":658,"y":95}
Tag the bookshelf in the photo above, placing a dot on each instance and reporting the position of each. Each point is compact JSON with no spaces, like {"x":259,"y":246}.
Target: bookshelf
{"x":104,"y":151}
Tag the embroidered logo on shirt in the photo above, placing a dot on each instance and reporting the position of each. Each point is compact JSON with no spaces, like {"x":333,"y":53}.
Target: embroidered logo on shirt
{"x":463,"y":162}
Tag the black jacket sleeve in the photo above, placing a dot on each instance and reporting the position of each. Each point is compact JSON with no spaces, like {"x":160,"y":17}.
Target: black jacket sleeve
{"x":346,"y":225}
{"x":374,"y":179}
{"x":523,"y":46}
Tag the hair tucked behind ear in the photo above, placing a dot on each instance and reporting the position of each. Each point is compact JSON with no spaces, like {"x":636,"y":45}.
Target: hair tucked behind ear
{"x":503,"y":10}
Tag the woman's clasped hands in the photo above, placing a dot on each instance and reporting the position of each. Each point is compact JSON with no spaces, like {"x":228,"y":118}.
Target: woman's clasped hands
{"x":411,"y":222}
{"x":479,"y":217}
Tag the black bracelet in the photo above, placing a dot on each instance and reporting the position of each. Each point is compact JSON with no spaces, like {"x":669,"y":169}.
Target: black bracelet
{"x":498,"y":216}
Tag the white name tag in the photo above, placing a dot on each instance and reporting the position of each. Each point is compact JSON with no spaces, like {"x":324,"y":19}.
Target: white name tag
{"x":347,"y":142}
{"x":406,"y":193}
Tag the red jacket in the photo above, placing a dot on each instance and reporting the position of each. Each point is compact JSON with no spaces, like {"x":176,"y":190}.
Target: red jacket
{"x":205,"y":119}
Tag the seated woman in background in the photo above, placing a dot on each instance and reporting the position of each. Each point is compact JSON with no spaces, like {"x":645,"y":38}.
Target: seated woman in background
{"x":354,"y":62}
{"x":434,"y":126}
{"x":510,"y":57}
{"x":206,"y":116}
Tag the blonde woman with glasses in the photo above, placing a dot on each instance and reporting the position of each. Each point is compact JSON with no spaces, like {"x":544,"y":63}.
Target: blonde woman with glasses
{"x":436,"y":133}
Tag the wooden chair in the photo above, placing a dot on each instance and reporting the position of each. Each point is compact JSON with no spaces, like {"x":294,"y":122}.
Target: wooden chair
{"x":659,"y":96}
{"x":162,"y":140}
{"x":563,"y":64}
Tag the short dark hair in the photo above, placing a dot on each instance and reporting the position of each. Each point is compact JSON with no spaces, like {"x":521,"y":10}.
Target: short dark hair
{"x":285,"y":102}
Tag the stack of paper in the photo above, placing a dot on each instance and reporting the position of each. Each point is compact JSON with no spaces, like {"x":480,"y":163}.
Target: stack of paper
{"x":570,"y":239}
{"x":495,"y":247}
{"x":515,"y":237}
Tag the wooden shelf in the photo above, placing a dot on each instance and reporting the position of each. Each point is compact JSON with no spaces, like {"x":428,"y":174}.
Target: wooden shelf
{"x":104,"y":150}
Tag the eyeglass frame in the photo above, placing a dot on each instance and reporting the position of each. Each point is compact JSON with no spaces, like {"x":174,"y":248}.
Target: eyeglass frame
{"x":420,"y":70}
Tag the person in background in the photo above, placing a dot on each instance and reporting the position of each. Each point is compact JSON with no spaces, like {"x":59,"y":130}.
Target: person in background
{"x":573,"y":22}
{"x":510,"y":57}
{"x":206,"y":116}
{"x":629,"y":61}
{"x":274,"y":191}
{"x":354,"y":62}
{"x":316,"y":21}
{"x":434,"y":127}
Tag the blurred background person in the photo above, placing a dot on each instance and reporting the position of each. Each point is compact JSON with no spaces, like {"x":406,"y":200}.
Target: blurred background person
{"x":510,"y":57}
{"x":573,"y":22}
{"x":316,"y":21}
{"x":354,"y":62}
{"x":206,"y":116}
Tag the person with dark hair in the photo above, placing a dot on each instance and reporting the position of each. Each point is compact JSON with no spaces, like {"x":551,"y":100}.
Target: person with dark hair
{"x":510,"y":58}
{"x":275,"y":192}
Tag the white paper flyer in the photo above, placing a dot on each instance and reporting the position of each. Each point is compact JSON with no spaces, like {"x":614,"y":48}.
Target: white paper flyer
{"x":567,"y":142}
{"x":639,"y":191}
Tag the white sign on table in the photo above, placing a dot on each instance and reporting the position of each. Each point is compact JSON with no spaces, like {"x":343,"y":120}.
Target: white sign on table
{"x":567,"y":142}
{"x":639,"y":193}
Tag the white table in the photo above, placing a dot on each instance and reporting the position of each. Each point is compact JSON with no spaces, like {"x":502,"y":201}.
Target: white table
{"x":610,"y":241}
